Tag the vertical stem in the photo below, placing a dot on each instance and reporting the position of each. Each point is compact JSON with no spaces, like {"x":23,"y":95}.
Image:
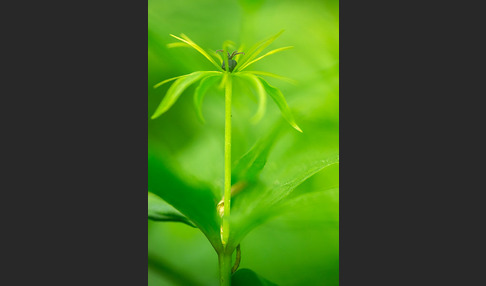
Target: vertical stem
{"x":224,"y":269}
{"x":227,"y":160}
{"x":223,"y":256}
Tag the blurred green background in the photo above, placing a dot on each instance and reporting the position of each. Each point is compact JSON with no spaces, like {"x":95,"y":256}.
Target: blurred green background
{"x":300,"y":246}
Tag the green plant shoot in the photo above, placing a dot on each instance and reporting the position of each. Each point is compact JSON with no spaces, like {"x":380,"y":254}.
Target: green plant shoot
{"x":231,"y":65}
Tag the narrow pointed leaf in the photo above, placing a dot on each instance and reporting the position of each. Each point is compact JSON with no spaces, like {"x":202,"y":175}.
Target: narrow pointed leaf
{"x":258,"y":48}
{"x":262,"y":96}
{"x":160,"y":210}
{"x":265,"y":55}
{"x":279,"y":99}
{"x":168,"y":80}
{"x":218,"y":56}
{"x":178,"y":45}
{"x":197,"y":48}
{"x":229,"y":44}
{"x":201,"y":90}
{"x":289,"y":80}
{"x":176,"y":90}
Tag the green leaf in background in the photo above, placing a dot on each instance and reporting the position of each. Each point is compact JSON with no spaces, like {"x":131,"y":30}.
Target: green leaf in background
{"x":176,"y":90}
{"x":160,"y":210}
{"x":170,"y":272}
{"x":195,"y":201}
{"x":283,"y":188}
{"x":279,"y":99}
{"x":201,"y":90}
{"x":247,"y":277}
{"x":259,"y":203}
{"x":248,"y":167}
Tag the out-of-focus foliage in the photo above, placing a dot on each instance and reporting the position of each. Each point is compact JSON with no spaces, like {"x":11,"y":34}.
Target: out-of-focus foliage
{"x":160,"y":210}
{"x":245,"y":277}
{"x":298,"y":243}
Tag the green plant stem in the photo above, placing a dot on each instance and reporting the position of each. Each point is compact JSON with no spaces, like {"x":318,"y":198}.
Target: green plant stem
{"x":224,"y":269}
{"x":227,"y":160}
{"x":225,"y":257}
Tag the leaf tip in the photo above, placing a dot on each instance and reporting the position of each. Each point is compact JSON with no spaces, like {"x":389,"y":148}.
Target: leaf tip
{"x":156,"y":114}
{"x":297,"y":128}
{"x":201,"y":119}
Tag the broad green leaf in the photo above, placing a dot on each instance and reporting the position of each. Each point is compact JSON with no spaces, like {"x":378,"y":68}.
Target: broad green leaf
{"x":196,"y":201}
{"x":279,"y":99}
{"x":176,"y":90}
{"x":201,"y":90}
{"x":197,"y":48}
{"x":166,"y":268}
{"x":284,"y":188}
{"x":160,"y":210}
{"x":257,"y":49}
{"x":265,"y":55}
{"x":262,"y":96}
{"x":303,"y":206}
{"x":248,"y":167}
{"x":260,"y":202}
{"x":247,"y":277}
